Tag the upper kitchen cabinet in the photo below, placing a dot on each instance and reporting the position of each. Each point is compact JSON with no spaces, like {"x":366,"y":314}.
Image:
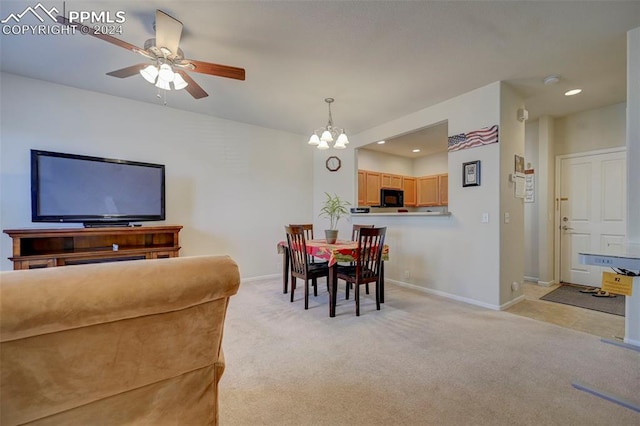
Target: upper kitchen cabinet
{"x":433,"y":190}
{"x":373,"y":182}
{"x":409,"y":188}
{"x":391,"y":181}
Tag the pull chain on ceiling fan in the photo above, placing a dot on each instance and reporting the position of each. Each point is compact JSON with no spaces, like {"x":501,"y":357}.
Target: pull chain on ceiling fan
{"x":168,"y":67}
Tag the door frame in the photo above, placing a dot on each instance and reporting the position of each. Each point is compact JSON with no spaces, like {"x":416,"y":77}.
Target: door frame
{"x":556,"y":207}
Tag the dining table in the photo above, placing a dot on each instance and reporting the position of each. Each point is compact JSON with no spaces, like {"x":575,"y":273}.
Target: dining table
{"x":340,"y":251}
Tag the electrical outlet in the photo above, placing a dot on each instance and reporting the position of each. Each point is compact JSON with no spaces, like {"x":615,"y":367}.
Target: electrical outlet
{"x":407,"y":273}
{"x":507,"y":217}
{"x":515,"y":286}
{"x":485,"y":217}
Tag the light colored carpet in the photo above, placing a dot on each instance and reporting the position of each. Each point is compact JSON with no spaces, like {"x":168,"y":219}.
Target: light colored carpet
{"x":421,"y":360}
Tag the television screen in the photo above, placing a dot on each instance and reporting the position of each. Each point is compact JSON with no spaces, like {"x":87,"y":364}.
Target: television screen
{"x":79,"y":188}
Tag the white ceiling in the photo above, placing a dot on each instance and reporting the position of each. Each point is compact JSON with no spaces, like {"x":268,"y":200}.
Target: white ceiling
{"x":380,"y":60}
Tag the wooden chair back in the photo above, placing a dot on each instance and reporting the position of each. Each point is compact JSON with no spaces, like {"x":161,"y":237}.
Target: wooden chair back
{"x":307,"y":228}
{"x":356,"y":231}
{"x":297,"y":244}
{"x":369,"y":254}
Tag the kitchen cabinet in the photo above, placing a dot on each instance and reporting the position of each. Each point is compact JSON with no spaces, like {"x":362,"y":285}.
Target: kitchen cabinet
{"x":433,"y":190}
{"x":373,"y":183}
{"x":362,"y":187}
{"x":391,"y":181}
{"x":409,"y":188}
{"x":443,"y":187}
{"x":424,"y":191}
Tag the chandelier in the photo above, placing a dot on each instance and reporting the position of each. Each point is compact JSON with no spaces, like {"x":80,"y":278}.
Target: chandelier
{"x":329,"y":133}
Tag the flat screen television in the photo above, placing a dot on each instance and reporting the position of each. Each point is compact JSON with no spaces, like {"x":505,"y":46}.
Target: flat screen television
{"x":95,"y":191}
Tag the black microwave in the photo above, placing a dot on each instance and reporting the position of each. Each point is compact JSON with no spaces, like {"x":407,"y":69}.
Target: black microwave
{"x":391,"y":198}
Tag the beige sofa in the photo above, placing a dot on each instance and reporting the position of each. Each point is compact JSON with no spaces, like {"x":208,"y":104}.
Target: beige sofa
{"x":124,"y":343}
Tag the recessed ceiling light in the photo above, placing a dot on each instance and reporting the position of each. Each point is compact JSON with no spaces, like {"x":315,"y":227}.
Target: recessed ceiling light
{"x":572,"y":92}
{"x":551,"y":79}
{"x":381,"y":142}
{"x":416,"y":150}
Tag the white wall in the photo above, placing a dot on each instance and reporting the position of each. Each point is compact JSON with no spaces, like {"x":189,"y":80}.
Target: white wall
{"x":531,"y":264}
{"x":457,"y":256}
{"x":433,"y":164}
{"x":511,"y":207}
{"x":385,"y":163}
{"x":591,"y":130}
{"x":233,"y":186}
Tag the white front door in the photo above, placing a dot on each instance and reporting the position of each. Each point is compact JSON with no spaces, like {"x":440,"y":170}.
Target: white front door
{"x":593,"y":210}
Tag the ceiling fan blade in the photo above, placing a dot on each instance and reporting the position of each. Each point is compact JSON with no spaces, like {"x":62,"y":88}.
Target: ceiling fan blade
{"x":128,"y":71}
{"x":217,"y":69}
{"x":83,"y":29}
{"x":193,"y":88}
{"x":168,"y":31}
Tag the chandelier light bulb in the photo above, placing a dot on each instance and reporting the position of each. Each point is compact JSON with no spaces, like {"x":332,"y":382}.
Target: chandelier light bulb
{"x":323,"y":144}
{"x":150,"y":73}
{"x":342,"y":139}
{"x":339,"y":145}
{"x":326,"y":136}
{"x":314,"y":140}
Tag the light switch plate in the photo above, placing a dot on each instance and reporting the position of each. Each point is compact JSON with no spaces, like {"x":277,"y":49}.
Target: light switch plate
{"x":507,"y":217}
{"x":485,"y":217}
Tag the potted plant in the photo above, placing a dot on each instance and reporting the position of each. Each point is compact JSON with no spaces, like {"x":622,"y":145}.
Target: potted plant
{"x":334,"y":208}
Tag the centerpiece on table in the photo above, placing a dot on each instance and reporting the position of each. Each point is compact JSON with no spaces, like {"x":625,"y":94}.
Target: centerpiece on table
{"x":334,"y":208}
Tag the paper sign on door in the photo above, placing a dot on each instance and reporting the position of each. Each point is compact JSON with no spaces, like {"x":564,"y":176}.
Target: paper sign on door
{"x":617,"y":284}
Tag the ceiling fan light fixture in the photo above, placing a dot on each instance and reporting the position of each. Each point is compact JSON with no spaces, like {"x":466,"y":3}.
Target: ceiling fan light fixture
{"x":166,"y":73}
{"x":178,"y":82}
{"x":149,"y":73}
{"x":162,"y":84}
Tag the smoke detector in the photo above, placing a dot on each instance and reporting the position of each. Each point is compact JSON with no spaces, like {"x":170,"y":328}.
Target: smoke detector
{"x":551,"y":79}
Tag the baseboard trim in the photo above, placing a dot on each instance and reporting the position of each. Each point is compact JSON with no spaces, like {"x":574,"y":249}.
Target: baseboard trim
{"x":546,"y":283}
{"x":445,"y":295}
{"x":509,"y":304}
{"x":627,"y":344}
{"x":531,"y":279}
{"x":261,"y":278}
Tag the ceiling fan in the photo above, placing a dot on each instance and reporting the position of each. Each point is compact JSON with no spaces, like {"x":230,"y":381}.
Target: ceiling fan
{"x":168,"y":59}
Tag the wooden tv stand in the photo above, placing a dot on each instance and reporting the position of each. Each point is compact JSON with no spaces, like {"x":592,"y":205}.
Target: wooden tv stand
{"x":45,"y":248}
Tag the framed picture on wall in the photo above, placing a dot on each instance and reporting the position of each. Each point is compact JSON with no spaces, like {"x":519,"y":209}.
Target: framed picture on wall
{"x":471,"y":173}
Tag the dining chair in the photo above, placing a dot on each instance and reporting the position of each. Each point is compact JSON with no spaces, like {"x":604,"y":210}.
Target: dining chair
{"x":367,"y":265}
{"x":308,"y":235}
{"x":301,"y":266}
{"x":355,"y":232}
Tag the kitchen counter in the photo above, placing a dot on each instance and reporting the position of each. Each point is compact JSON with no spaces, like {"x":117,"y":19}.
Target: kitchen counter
{"x":412,"y":214}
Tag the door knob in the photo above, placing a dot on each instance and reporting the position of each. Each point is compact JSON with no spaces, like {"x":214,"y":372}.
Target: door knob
{"x":565,"y":228}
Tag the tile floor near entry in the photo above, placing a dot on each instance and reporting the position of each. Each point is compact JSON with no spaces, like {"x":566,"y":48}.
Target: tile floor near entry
{"x":600,"y":324}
